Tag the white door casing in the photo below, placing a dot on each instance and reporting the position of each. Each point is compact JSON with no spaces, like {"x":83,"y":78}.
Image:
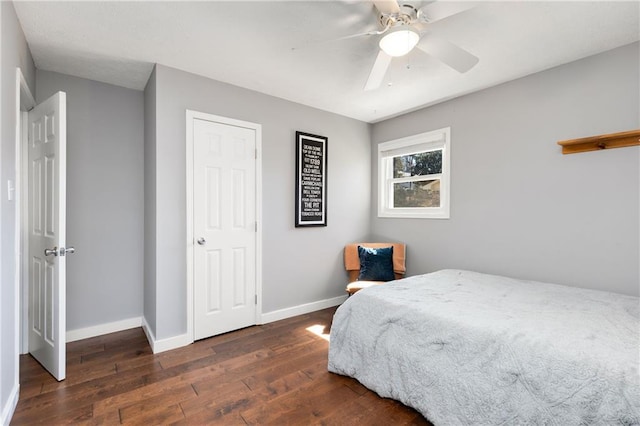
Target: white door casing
{"x":46,"y":230}
{"x":24,"y":103}
{"x":225,"y":232}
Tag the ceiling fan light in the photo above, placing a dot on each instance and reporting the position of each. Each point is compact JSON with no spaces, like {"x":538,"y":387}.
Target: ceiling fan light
{"x":399,"y":41}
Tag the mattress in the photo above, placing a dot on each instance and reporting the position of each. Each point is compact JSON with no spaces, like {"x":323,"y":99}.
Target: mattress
{"x":465,"y":348}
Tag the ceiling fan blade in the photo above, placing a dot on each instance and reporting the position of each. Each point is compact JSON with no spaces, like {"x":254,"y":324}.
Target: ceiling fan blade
{"x":378,"y":71}
{"x":443,"y":9}
{"x":447,"y":52}
{"x":368,"y":33}
{"x":387,"y":7}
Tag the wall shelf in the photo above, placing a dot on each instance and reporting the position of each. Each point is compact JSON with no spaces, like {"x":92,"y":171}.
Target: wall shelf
{"x":597,"y":143}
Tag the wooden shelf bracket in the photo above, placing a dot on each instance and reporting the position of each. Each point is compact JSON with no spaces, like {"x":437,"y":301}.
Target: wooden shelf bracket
{"x":596,"y":143}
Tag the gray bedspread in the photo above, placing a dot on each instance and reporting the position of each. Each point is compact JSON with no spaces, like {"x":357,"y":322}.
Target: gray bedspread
{"x":465,"y":348}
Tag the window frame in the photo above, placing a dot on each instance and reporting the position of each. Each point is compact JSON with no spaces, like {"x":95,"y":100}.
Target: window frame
{"x":424,"y":142}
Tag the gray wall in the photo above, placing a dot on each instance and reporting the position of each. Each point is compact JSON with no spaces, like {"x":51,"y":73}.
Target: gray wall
{"x":299,"y":265}
{"x":518,"y":206}
{"x":105,"y":199}
{"x":150,"y":202}
{"x":14,"y":53}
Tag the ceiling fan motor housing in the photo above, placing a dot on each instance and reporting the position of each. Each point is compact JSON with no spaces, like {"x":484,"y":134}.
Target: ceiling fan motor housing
{"x":407,"y":15}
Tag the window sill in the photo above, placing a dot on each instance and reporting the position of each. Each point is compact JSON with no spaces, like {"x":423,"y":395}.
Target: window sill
{"x":396,"y":215}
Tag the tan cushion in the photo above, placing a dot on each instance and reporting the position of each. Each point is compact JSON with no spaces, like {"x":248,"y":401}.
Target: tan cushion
{"x":359,"y":285}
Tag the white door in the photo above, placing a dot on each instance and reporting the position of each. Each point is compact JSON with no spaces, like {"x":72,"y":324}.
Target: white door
{"x":224,"y":227}
{"x":47,"y":215}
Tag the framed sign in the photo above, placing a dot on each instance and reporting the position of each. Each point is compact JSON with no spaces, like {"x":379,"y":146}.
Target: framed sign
{"x":311,"y":180}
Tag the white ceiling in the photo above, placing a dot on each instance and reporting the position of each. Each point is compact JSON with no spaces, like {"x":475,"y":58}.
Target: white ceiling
{"x":280,"y":47}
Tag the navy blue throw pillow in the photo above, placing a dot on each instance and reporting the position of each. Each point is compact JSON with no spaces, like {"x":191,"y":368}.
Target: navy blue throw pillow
{"x":376,"y":264}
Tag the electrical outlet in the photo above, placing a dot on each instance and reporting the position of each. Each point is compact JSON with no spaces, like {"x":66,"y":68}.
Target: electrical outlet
{"x":11,"y":190}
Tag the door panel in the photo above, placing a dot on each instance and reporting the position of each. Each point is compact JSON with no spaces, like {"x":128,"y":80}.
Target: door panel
{"x":214,"y":201}
{"x":213,"y":285}
{"x":47,"y":202}
{"x":224,"y":218}
{"x":239,"y":278}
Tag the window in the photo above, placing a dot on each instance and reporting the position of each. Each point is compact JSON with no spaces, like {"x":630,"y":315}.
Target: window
{"x":413,"y":176}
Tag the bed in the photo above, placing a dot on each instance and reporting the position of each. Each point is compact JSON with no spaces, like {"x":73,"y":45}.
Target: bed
{"x":467,"y":348}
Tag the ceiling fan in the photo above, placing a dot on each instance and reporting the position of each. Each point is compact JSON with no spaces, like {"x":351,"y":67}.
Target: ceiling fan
{"x":404,"y":27}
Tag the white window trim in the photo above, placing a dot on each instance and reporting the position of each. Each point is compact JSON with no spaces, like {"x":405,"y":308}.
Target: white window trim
{"x":437,"y":139}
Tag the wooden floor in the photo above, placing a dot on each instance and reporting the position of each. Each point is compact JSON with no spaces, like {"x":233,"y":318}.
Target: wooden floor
{"x":270,"y":374}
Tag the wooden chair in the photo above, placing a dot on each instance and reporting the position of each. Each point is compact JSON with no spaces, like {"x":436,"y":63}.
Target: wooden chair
{"x":352,"y":264}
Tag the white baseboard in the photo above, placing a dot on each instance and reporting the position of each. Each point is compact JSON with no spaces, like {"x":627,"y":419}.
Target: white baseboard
{"x":151,"y":338}
{"x":10,"y":408}
{"x":99,"y":330}
{"x":301,"y":309}
{"x":181,"y":340}
{"x":167,"y":344}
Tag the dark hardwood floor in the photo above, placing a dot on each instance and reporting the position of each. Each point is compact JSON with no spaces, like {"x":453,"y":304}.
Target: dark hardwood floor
{"x":270,"y":374}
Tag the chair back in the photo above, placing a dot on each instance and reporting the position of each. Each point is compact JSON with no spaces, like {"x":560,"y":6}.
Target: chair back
{"x":352,"y":259}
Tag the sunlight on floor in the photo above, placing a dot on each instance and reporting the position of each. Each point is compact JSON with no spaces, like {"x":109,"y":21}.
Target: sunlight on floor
{"x":318,"y":330}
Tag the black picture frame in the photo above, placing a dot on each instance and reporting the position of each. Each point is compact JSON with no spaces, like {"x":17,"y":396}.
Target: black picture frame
{"x":311,"y":180}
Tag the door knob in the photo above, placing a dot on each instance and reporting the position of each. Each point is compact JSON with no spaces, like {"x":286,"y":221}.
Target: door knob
{"x":201,"y":241}
{"x":68,"y":250}
{"x":49,"y":252}
{"x":59,"y":251}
